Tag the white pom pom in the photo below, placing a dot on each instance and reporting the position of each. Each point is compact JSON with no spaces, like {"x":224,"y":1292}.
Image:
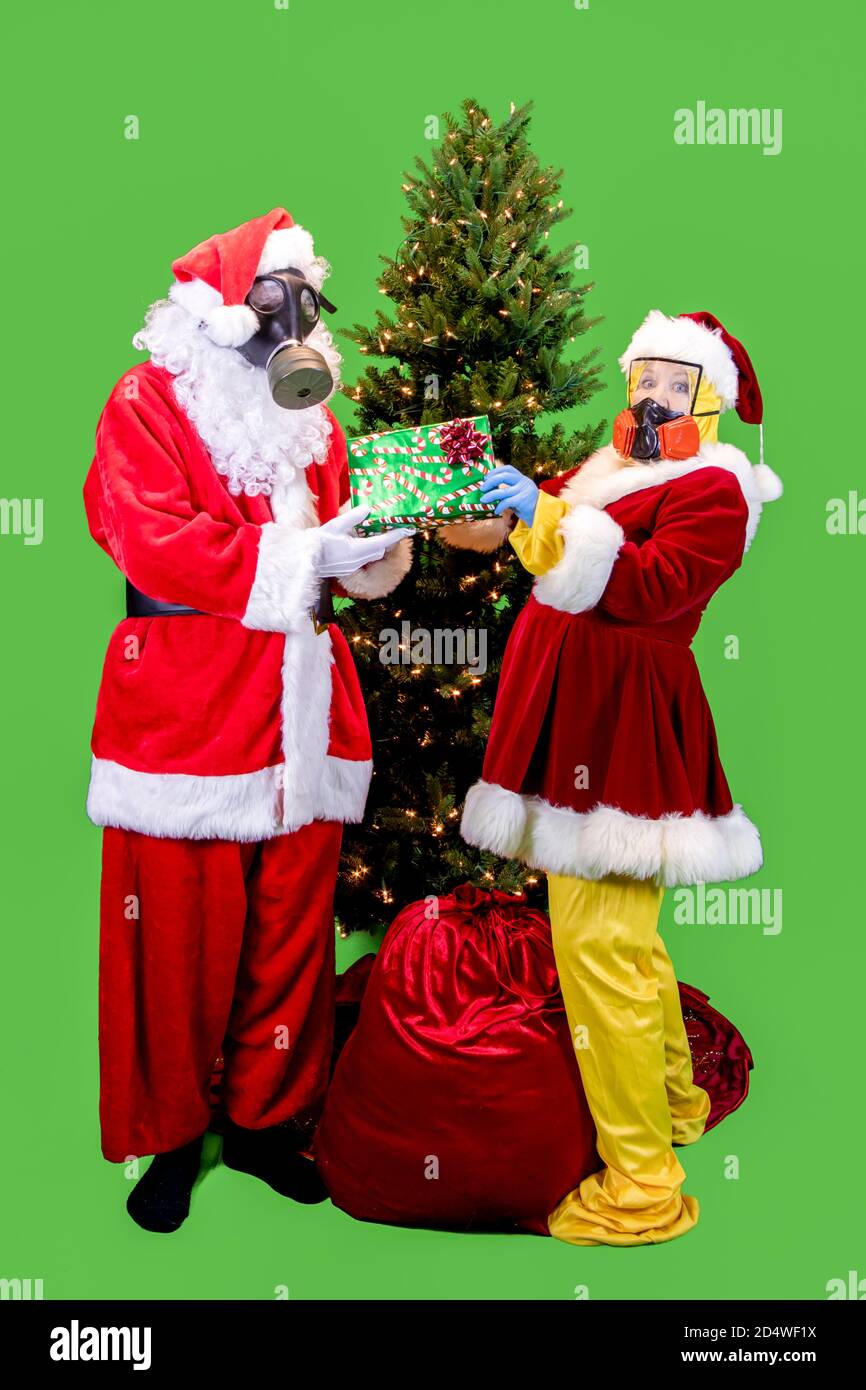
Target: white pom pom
{"x":769,"y":484}
{"x":230,"y":325}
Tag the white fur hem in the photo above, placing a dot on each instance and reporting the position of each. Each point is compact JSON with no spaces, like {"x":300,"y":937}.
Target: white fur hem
{"x":246,"y":806}
{"x":381,"y":576}
{"x":592,"y":543}
{"x":674,"y":850}
{"x":286,"y":584}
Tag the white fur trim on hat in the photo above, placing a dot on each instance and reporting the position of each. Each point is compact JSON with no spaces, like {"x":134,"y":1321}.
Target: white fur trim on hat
{"x":196,"y":296}
{"x":231,"y":325}
{"x":227,"y":325}
{"x":684,"y":340}
{"x":293,"y":246}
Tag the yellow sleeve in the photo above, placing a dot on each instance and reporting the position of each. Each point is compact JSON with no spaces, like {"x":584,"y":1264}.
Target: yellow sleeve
{"x":539,"y":546}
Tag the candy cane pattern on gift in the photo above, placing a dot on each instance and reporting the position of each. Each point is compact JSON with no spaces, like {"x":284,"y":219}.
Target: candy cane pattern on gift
{"x":418,"y":493}
{"x":407,"y":467}
{"x":371,"y":472}
{"x":458,"y":492}
{"x":389,"y":502}
{"x":359,"y":446}
{"x":443,"y":476}
{"x":404,"y":449}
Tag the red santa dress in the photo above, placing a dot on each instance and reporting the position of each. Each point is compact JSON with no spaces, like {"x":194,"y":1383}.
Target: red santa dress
{"x":602,"y":756}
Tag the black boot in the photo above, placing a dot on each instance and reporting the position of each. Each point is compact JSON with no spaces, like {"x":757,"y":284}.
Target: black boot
{"x":160,"y":1199}
{"x":274,"y":1155}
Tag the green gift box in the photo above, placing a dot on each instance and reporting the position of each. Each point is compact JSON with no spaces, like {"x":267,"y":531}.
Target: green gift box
{"x":428,"y":475}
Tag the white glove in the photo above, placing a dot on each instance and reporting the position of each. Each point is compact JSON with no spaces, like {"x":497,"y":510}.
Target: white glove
{"x":342,"y":552}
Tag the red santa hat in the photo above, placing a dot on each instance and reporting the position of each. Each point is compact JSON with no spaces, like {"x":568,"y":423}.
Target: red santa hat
{"x":701,"y":338}
{"x":214,"y":278}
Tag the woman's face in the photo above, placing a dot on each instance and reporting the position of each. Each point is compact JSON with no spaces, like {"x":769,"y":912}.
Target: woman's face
{"x":671,"y":384}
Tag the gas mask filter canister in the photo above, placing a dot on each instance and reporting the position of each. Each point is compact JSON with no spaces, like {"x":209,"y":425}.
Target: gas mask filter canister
{"x":288,"y":310}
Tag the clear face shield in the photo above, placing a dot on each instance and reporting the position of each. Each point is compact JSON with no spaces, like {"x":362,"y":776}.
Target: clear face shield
{"x":659,"y":422}
{"x":673,"y":385}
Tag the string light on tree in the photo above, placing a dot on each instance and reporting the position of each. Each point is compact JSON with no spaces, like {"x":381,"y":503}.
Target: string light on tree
{"x":473,"y":205}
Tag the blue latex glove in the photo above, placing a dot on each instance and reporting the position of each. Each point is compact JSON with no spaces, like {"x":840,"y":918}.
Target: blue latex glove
{"x":517,"y":492}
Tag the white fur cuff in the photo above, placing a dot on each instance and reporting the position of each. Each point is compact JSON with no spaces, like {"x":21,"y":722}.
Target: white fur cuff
{"x":592,"y":543}
{"x":286,"y":585}
{"x":381,"y":576}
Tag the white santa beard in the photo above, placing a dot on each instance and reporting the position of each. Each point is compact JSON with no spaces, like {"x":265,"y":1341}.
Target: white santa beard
{"x":250,"y":438}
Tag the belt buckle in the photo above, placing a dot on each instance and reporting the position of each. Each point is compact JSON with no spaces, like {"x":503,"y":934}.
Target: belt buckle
{"x":322,"y":611}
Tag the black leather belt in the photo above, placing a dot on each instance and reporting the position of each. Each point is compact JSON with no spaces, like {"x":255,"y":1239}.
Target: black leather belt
{"x":139,"y":605}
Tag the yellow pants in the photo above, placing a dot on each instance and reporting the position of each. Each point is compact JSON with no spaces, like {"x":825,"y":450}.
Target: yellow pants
{"x":623,"y":1008}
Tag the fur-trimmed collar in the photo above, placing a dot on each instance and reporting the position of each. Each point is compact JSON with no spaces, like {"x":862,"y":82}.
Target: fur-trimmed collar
{"x":606,"y":477}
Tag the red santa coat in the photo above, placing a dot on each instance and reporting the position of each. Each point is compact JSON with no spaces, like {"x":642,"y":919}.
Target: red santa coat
{"x":602,"y":755}
{"x":243,"y":722}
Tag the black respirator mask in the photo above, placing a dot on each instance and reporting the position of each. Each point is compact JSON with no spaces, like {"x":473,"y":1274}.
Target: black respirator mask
{"x":648,"y":416}
{"x":288,"y":310}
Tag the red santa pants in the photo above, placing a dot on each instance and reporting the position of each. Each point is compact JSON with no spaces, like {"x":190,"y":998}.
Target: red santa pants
{"x":210,"y":946}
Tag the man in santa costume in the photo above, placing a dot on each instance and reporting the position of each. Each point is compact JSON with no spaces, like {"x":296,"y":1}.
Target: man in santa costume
{"x":230,"y":741}
{"x":602,"y":767}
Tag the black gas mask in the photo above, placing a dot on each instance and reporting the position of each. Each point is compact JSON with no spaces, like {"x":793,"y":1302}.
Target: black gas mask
{"x":648,"y":416}
{"x":288,"y":310}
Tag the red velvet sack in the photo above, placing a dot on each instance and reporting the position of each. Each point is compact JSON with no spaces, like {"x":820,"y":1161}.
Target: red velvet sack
{"x":721,"y":1058}
{"x":457,"y":1100}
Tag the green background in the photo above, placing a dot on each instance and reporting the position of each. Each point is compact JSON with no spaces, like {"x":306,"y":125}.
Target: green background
{"x":321,"y":107}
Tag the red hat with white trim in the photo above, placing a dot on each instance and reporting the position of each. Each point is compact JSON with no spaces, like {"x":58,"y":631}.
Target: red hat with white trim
{"x":214,"y":278}
{"x":701,"y":338}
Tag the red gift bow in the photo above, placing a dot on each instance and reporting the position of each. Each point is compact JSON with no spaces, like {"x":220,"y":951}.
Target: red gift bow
{"x":462,"y":442}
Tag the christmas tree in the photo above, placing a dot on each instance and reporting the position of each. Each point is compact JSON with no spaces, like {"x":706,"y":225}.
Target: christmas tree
{"x":483,"y":315}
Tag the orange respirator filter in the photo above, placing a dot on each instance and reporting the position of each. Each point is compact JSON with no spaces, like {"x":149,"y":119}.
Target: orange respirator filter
{"x":680,"y":438}
{"x":624,"y":427}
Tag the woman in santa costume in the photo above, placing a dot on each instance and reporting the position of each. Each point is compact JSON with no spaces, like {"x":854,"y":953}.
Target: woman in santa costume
{"x":602,"y":767}
{"x":230,"y":741}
